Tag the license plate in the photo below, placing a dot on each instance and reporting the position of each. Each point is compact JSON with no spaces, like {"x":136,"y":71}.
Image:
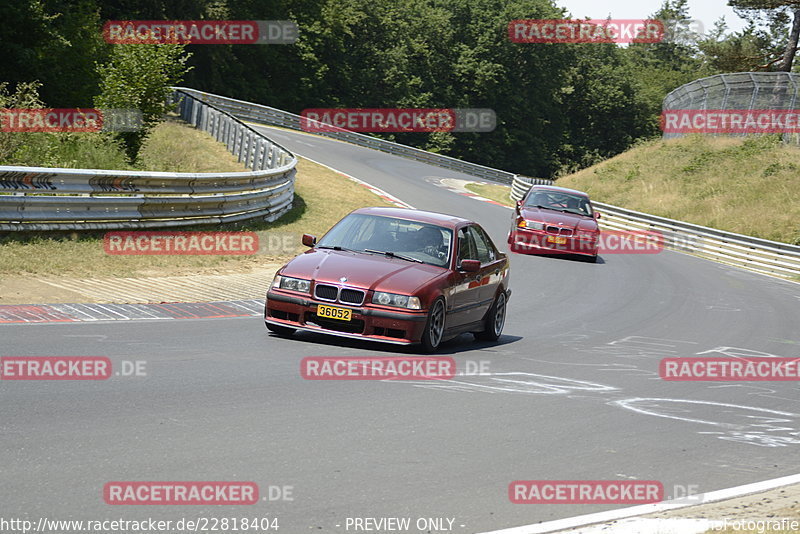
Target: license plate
{"x":332,"y":312}
{"x":557,"y":240}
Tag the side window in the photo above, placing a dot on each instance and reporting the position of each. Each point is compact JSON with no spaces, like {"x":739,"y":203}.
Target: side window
{"x":484,"y":249}
{"x":488,"y":242}
{"x":466,"y":248}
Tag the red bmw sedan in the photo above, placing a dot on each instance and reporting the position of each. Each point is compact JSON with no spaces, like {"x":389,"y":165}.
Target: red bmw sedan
{"x":396,"y":276}
{"x":555,"y":220}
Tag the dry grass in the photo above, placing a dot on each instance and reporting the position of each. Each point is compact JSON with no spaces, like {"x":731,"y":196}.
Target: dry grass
{"x":174,"y":146}
{"x":498,"y":193}
{"x":750,"y":187}
{"x":322,"y":197}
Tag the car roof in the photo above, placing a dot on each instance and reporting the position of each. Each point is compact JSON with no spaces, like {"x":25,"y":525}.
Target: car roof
{"x":559,"y":189}
{"x":428,"y":217}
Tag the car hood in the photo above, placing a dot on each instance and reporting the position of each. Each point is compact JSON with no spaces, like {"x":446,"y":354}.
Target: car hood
{"x":566,"y":220}
{"x":362,"y":270}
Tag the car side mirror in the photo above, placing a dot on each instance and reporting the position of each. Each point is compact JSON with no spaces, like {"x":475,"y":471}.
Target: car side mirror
{"x":519,"y":205}
{"x":309,"y":240}
{"x":597,"y":215}
{"x":470,"y":266}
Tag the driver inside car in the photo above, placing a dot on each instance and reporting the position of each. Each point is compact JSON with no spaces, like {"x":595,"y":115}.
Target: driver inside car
{"x":429,"y":240}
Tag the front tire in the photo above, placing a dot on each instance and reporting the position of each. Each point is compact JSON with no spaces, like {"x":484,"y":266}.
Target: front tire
{"x":282,"y":331}
{"x":434,"y":327}
{"x":495,"y":319}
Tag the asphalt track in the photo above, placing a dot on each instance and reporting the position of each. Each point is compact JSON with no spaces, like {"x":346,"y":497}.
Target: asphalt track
{"x":573,"y":393}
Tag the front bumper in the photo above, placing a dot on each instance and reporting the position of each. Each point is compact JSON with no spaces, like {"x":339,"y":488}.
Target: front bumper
{"x":367,"y":322}
{"x":535,"y":242}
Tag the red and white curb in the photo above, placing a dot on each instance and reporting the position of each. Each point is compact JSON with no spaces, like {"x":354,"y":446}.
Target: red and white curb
{"x":76,"y":313}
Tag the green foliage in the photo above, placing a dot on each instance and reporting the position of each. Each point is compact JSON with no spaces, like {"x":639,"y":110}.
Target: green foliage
{"x":139,"y":77}
{"x":70,"y":150}
{"x":560,"y":107}
{"x":54,"y":42}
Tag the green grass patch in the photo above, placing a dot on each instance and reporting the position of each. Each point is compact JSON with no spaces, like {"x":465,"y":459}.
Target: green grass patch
{"x":748,"y":186}
{"x":496,"y":192}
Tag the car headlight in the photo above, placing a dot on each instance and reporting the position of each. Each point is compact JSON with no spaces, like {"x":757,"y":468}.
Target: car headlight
{"x":531,"y":225}
{"x":586,"y":234}
{"x":292,"y":284}
{"x":397,"y":301}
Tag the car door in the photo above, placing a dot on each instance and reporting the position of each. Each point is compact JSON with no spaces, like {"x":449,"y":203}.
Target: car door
{"x":463,"y":297}
{"x":491,"y":272}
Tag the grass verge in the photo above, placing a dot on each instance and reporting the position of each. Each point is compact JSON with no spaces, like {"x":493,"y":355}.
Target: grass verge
{"x":496,"y":192}
{"x":747,"y":186}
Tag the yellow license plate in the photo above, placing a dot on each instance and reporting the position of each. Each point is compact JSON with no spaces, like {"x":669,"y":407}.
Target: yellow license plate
{"x":557,"y":240}
{"x":332,"y":312}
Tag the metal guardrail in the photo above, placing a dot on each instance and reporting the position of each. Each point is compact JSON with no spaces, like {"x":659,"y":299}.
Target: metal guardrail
{"x":761,"y":255}
{"x":41,"y":198}
{"x":277,"y":117}
{"x":738,"y":90}
{"x":521,"y":184}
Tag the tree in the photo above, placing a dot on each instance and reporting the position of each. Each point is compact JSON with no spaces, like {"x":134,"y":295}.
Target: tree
{"x":139,"y":77}
{"x":750,"y":49}
{"x":54,"y":42}
{"x":776,"y":12}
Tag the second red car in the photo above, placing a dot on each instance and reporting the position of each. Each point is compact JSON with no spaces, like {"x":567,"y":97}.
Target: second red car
{"x":555,"y":220}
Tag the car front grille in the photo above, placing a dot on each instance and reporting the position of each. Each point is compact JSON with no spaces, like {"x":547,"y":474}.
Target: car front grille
{"x":336,"y":294}
{"x":326,"y":292}
{"x":351,"y":296}
{"x":557,"y":230}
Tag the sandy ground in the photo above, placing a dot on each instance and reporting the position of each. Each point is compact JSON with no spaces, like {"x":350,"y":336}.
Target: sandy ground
{"x":249,"y":284}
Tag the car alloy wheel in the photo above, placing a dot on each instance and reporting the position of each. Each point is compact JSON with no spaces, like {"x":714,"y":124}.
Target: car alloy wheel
{"x":499,"y":314}
{"x":434,"y":327}
{"x":495,"y":320}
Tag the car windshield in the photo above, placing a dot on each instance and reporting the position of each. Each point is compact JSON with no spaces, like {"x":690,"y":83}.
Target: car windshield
{"x":560,"y":201}
{"x":409,"y":240}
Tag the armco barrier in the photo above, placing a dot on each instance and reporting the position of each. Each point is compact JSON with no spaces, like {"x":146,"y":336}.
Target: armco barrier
{"x":40,"y":198}
{"x":761,"y":255}
{"x":276,"y":117}
{"x":521,"y":184}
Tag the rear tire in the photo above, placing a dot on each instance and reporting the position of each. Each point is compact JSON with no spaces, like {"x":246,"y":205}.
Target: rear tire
{"x":434,"y":327}
{"x":282,"y":331}
{"x":495,"y":320}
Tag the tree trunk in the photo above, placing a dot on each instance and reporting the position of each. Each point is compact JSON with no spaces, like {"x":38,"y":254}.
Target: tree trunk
{"x":791,"y":46}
